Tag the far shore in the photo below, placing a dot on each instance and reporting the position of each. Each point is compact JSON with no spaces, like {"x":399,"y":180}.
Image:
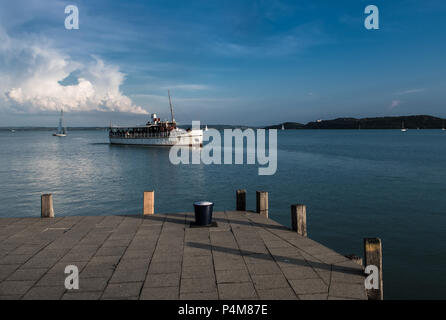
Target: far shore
{"x":398,"y":122}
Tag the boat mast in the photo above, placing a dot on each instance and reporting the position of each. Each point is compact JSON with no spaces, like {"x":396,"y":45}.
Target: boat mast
{"x":59,"y":129}
{"x":62,"y":122}
{"x":170,"y":103}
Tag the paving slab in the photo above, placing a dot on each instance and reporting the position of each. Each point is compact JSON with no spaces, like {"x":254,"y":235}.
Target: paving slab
{"x":91,"y":284}
{"x":262,"y":282}
{"x":277,"y":294}
{"x":92,"y":295}
{"x":122,"y":290}
{"x":45,"y":293}
{"x":27,"y":274}
{"x":309,"y":286}
{"x":198,"y":285}
{"x":200,"y":296}
{"x":237,"y":291}
{"x":8,"y":288}
{"x":135,"y":275}
{"x":166,"y":293}
{"x":165,"y":267}
{"x":347,"y":290}
{"x":233,"y":276}
{"x":159,"y":280}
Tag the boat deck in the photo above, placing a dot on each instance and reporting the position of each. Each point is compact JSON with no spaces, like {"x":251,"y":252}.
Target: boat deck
{"x":246,"y":256}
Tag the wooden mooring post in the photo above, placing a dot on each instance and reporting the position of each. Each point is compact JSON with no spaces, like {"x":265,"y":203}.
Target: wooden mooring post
{"x":241,"y":200}
{"x":299,"y":219}
{"x":46,"y":206}
{"x":373,"y":257}
{"x":149,"y":202}
{"x":262,"y":203}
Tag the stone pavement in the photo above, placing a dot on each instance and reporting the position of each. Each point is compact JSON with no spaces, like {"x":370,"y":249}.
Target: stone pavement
{"x":246,"y":256}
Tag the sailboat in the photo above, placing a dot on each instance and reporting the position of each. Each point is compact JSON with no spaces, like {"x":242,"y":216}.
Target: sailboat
{"x":402,"y":127}
{"x":61,"y":130}
{"x":283,"y":127}
{"x":442,"y":128}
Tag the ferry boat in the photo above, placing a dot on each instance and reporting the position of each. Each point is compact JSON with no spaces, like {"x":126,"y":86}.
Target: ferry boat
{"x":156,"y":133}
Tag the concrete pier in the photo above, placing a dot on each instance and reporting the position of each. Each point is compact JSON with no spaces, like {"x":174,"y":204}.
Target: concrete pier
{"x":246,"y":256}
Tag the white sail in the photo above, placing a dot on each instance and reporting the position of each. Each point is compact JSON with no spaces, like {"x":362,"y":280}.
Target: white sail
{"x":403,"y":129}
{"x":61,"y":129}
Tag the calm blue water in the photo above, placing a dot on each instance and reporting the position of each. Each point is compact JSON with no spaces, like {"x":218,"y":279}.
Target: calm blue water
{"x":356,"y":184}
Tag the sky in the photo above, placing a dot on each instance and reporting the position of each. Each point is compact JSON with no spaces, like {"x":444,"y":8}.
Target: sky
{"x":225,"y":62}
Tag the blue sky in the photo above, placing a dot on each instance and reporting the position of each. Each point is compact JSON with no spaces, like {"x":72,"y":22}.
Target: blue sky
{"x":234,"y":62}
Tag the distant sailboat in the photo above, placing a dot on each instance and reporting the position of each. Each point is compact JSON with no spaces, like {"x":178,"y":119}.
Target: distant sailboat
{"x":402,"y":127}
{"x":442,"y":128}
{"x":283,"y":127}
{"x":61,"y":130}
{"x":206,"y":128}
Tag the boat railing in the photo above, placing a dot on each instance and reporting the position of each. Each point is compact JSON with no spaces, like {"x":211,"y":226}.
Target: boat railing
{"x":138,"y":135}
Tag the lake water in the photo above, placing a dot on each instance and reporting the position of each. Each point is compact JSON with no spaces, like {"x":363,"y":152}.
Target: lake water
{"x":355,"y":183}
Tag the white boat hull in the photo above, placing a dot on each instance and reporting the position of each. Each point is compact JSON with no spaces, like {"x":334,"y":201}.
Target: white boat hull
{"x":192,"y":138}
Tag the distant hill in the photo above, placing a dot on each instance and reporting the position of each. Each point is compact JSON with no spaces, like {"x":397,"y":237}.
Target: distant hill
{"x":410,"y":122}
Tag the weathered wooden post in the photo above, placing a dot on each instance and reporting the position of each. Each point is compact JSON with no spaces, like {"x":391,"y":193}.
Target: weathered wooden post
{"x":373,"y":257}
{"x":241,"y":200}
{"x":262,"y":203}
{"x":46,"y":206}
{"x":299,"y":219}
{"x":149,"y":202}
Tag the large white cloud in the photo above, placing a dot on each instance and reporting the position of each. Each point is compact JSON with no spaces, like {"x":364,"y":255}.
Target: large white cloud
{"x":31,"y":72}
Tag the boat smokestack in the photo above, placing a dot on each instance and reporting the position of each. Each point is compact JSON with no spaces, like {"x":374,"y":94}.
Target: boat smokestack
{"x":155,"y":119}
